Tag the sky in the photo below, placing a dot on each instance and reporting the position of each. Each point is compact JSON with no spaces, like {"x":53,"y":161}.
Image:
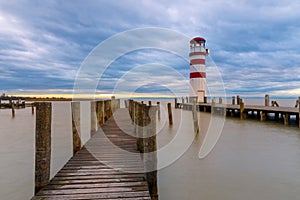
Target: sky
{"x":254,"y":45}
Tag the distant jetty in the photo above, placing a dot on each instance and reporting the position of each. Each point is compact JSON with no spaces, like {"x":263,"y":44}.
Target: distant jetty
{"x":239,"y":109}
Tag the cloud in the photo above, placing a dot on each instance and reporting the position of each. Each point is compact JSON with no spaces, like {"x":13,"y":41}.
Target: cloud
{"x":255,"y":44}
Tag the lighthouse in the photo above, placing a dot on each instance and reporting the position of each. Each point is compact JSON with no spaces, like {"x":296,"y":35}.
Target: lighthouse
{"x":198,"y":52}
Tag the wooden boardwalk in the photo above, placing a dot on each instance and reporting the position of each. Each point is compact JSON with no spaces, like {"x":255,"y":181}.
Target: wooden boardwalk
{"x":248,"y":111}
{"x":87,"y":175}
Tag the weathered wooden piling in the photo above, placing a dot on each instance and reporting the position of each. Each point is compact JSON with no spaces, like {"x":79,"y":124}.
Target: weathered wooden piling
{"x":130,"y":108}
{"x":195,"y":118}
{"x":42,"y":144}
{"x":175,"y":101}
{"x":267,"y":100}
{"x":100,"y":112}
{"x":233,"y":100}
{"x":76,"y":126}
{"x":135,"y":115}
{"x":296,"y":105}
{"x":115,"y":104}
{"x":139,"y":123}
{"x":170,"y":114}
{"x":32,"y":108}
{"x":286,"y":118}
{"x":149,"y":103}
{"x":158,"y":110}
{"x":263,"y":116}
{"x":276,"y":117}
{"x":150,"y":147}
{"x":107,"y":110}
{"x":242,"y":109}
{"x":93,"y":117}
{"x":213,"y":104}
{"x":220,"y":100}
{"x":238,"y":100}
{"x":13,"y":113}
{"x":205,"y":99}
{"x":182,"y":100}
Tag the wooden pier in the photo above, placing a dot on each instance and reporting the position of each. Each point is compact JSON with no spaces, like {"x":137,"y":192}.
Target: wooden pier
{"x":242,"y":111}
{"x":87,"y":177}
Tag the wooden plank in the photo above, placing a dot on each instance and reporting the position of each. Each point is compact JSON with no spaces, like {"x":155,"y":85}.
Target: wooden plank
{"x":134,"y":195}
{"x":86,"y":177}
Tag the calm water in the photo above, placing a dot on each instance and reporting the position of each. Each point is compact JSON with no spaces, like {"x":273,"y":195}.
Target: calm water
{"x":251,"y":160}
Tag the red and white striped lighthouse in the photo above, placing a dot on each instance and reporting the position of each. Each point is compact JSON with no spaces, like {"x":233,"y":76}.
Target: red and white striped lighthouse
{"x":197,"y":68}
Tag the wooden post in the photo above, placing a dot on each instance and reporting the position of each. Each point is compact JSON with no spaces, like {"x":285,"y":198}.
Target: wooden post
{"x":135,"y":115}
{"x":76,"y":126}
{"x":32,"y":108}
{"x":176,"y":103}
{"x":205,"y":99}
{"x":263,"y":116}
{"x":276,"y":118}
{"x":107,"y":110}
{"x":242,"y":109}
{"x":100,"y":112}
{"x":238,"y":100}
{"x":187,"y":99}
{"x":42,"y":144}
{"x":213,"y":105}
{"x":150,"y":147}
{"x":267,"y":100}
{"x":93,"y":117}
{"x":158,"y":110}
{"x":0,"y":104}
{"x":170,"y":114}
{"x":232,"y":113}
{"x":182,"y":100}
{"x":13,"y":110}
{"x":139,"y":122}
{"x":296,"y":105}
{"x":130,"y":108}
{"x":220,"y":100}
{"x":286,"y":119}
{"x":233,"y":100}
{"x":150,"y":103}
{"x":195,"y":118}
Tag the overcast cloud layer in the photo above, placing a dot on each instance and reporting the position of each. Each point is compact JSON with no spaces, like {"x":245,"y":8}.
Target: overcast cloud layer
{"x":255,"y":44}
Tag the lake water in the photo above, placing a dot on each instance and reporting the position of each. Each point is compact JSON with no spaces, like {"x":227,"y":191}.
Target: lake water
{"x":251,"y":160}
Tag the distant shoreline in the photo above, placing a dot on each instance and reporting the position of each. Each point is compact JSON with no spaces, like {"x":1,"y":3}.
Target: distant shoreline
{"x":47,"y":99}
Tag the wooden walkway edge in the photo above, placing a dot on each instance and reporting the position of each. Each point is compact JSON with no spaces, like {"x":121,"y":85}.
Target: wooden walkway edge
{"x":85,"y":176}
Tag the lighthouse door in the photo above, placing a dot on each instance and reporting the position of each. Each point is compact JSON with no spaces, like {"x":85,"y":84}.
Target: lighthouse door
{"x":201,"y":95}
